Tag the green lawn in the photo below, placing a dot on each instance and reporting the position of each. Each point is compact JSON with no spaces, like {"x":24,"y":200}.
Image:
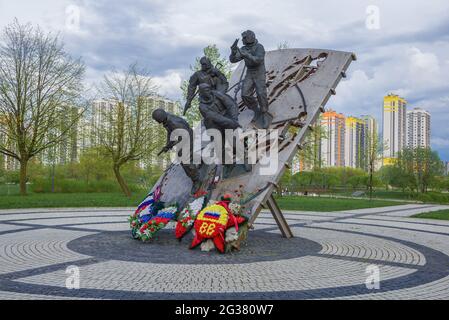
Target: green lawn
{"x":61,"y":200}
{"x":8,"y":189}
{"x":380,"y":194}
{"x":438,"y":215}
{"x":429,"y":197}
{"x":322,"y":204}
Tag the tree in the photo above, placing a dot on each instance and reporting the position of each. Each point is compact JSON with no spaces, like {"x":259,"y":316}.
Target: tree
{"x":399,"y":174}
{"x":285,"y":183}
{"x":283,"y":45}
{"x":422,"y":165}
{"x":415,"y":169}
{"x":37,"y":79}
{"x":93,"y":167}
{"x":310,"y":153}
{"x":373,"y":155}
{"x":211,"y":51}
{"x":124,"y":132}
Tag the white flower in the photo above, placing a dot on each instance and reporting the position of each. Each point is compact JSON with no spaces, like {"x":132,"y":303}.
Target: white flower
{"x":211,"y":203}
{"x":231,"y":234}
{"x":196,"y":205}
{"x":169,"y":210}
{"x":235,"y":208}
{"x":207,"y":245}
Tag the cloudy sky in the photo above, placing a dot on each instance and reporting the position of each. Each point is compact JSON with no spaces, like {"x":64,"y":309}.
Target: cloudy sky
{"x":404,"y":49}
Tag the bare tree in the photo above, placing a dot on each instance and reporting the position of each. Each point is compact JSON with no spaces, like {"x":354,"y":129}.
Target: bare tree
{"x":37,"y":79}
{"x":283,"y":45}
{"x":124,"y":132}
{"x":373,"y":155}
{"x":310,"y":154}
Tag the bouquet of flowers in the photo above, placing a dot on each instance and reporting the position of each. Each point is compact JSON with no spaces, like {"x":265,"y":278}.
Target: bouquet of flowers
{"x":144,"y":212}
{"x":213,"y":222}
{"x":188,"y":216}
{"x":149,"y":229}
{"x":221,"y":224}
{"x":151,"y":216}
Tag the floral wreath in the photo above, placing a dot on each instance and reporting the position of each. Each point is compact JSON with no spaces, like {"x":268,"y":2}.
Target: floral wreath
{"x":213,"y":221}
{"x":188,"y":216}
{"x":149,"y":229}
{"x":216,"y":225}
{"x":151,"y":216}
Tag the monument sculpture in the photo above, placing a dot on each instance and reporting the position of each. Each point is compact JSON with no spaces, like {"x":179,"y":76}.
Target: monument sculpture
{"x":172,"y":123}
{"x":283,"y":91}
{"x":253,"y":54}
{"x":207,"y":75}
{"x":218,"y":109}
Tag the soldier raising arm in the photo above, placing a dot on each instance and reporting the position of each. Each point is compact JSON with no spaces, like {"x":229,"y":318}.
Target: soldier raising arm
{"x":253,"y":55}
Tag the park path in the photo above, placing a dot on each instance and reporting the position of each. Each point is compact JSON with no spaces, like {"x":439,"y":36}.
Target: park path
{"x":329,"y":258}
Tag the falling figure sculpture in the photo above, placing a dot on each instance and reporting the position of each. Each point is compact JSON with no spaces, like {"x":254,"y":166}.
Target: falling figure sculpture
{"x":172,"y":123}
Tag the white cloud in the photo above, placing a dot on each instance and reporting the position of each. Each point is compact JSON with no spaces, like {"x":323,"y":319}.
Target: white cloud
{"x":409,"y":55}
{"x":169,"y":83}
{"x":440,"y":142}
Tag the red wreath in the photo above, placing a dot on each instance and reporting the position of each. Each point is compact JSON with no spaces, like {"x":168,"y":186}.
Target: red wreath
{"x":217,"y":230}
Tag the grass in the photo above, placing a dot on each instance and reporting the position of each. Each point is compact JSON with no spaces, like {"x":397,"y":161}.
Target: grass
{"x":322,"y":204}
{"x":66,"y":200}
{"x":9,"y":189}
{"x":377,"y":194}
{"x":438,"y":215}
{"x":429,"y":197}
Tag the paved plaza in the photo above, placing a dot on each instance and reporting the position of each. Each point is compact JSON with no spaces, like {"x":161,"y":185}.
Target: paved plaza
{"x":331,"y":257}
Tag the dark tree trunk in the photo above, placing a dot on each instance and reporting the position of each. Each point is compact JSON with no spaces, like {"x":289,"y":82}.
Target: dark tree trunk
{"x":23,"y":177}
{"x":121,"y":181}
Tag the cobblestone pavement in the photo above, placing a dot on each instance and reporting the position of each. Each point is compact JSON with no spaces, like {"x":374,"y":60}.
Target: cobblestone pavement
{"x":331,"y":257}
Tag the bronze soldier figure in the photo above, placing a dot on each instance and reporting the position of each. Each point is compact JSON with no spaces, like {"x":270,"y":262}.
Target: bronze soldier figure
{"x":171,"y":123}
{"x":219,"y":110}
{"x":208,"y":74}
{"x":253,"y":53}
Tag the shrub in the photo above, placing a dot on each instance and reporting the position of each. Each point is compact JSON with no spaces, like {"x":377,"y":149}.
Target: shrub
{"x":433,"y":197}
{"x":80,"y":186}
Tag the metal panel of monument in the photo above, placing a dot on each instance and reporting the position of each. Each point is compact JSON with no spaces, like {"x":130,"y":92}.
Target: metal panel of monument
{"x":299,"y":83}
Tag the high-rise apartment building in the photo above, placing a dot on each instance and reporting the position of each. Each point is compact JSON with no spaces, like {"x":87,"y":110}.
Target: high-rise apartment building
{"x":66,"y":132}
{"x":372,"y":127}
{"x":7,"y":162}
{"x":333,"y":144}
{"x":156,"y":134}
{"x":418,"y":128}
{"x":355,"y":143}
{"x":372,"y":141}
{"x":394,"y":126}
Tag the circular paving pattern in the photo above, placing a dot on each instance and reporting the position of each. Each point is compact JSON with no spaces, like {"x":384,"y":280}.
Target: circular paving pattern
{"x":165,"y":249}
{"x":330,"y":257}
